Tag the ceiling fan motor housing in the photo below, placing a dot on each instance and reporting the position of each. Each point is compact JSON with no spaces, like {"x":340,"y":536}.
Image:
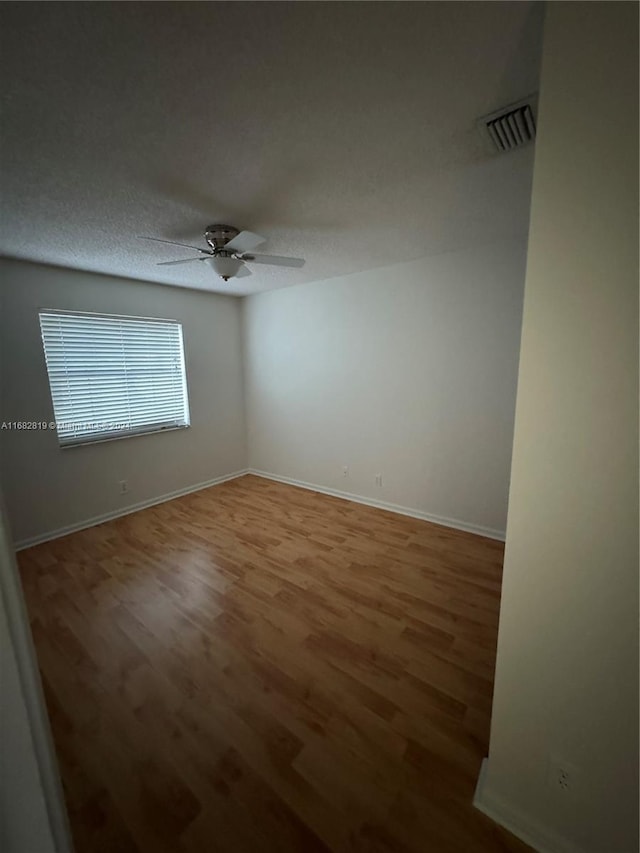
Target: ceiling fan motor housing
{"x":217,"y":236}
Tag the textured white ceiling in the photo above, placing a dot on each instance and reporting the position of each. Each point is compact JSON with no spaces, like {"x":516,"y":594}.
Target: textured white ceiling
{"x":343,"y":132}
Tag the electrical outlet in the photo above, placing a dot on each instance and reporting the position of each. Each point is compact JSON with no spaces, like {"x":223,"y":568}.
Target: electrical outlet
{"x":378,"y":479}
{"x":124,"y":486}
{"x":345,"y":471}
{"x":562,"y":777}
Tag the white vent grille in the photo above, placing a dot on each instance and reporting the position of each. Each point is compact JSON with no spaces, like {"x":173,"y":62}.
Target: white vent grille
{"x":511,"y":127}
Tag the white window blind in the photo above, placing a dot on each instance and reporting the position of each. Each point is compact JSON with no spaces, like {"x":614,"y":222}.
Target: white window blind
{"x":113,"y":376}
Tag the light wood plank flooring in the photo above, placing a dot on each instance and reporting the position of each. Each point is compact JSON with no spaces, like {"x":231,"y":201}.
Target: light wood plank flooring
{"x":257,"y":667}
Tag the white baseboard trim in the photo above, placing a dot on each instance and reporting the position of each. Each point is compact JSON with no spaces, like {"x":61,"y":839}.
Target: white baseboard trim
{"x":536,"y":836}
{"x":489,"y":532}
{"x":109,"y":516}
{"x":336,"y":493}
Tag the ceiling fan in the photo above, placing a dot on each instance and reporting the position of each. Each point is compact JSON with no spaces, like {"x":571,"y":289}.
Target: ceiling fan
{"x":228,"y":252}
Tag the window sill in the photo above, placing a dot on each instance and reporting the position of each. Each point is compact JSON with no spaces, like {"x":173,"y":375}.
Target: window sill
{"x":70,"y":445}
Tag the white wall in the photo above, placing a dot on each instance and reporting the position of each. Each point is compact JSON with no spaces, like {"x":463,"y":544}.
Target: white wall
{"x":47,"y":488}
{"x":567,"y":666}
{"x":32,"y":815}
{"x":408,"y":371}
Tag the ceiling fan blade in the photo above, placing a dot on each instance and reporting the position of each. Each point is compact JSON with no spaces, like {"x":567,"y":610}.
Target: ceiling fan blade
{"x":245,"y":241}
{"x":173,"y":243}
{"x":243,"y":272}
{"x":276,"y":260}
{"x":173,"y":263}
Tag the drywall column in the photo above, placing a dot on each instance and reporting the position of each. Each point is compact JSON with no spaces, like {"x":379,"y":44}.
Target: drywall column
{"x":32,"y":814}
{"x":567,"y":666}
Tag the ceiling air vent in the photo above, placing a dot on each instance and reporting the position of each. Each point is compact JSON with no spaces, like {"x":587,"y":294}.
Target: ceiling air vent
{"x":512,"y":126}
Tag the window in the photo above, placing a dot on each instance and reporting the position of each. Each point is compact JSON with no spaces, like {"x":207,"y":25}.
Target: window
{"x":112,"y":376}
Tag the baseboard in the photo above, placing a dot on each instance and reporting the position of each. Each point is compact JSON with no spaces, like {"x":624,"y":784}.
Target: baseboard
{"x":536,"y":836}
{"x":336,"y":493}
{"x":489,"y":532}
{"x":109,"y":516}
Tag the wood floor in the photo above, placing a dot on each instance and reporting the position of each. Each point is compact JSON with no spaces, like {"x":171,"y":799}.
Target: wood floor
{"x":256,"y":667}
